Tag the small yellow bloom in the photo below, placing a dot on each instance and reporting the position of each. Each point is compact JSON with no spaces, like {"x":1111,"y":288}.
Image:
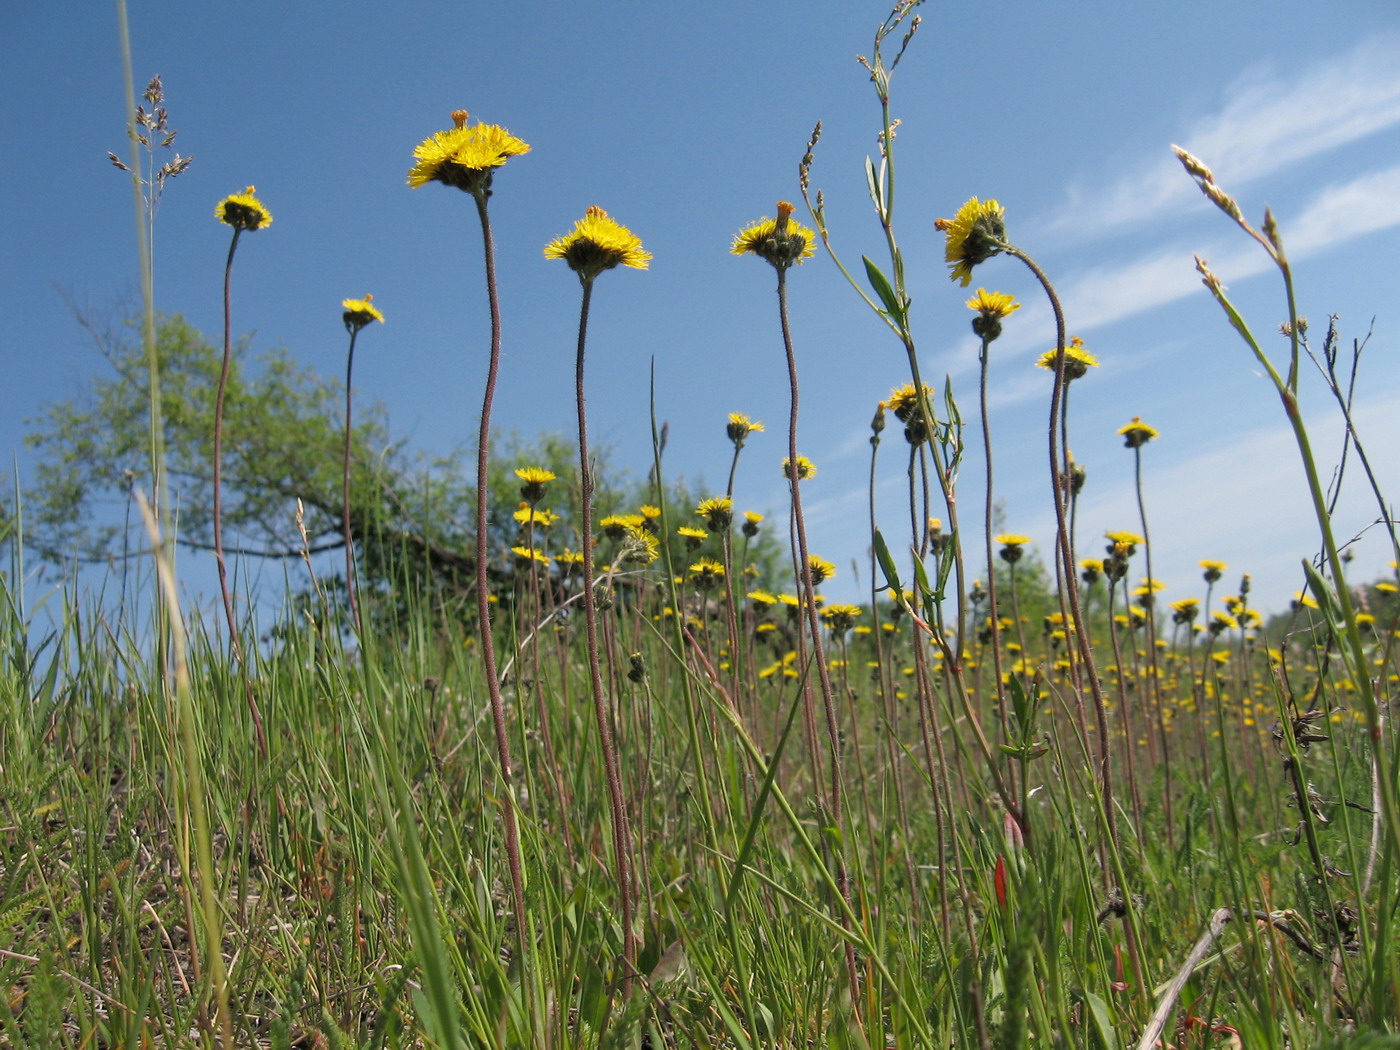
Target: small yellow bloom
{"x":598,"y":242}
{"x":1078,"y":361}
{"x":465,"y":156}
{"x":741,"y":426}
{"x":805,"y":468}
{"x":243,"y":211}
{"x":820,"y":569}
{"x":904,"y":401}
{"x":780,"y":241}
{"x":1137,"y":433}
{"x":359,"y":313}
{"x":841,"y":618}
{"x":707,"y":574}
{"x":526,"y":555}
{"x":717,"y":512}
{"x":975,"y":234}
{"x":1213,"y":569}
{"x":528,"y":514}
{"x":535,"y":479}
{"x":992,"y":308}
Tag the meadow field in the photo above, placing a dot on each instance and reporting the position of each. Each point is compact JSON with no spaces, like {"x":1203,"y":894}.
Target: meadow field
{"x":551,"y":756}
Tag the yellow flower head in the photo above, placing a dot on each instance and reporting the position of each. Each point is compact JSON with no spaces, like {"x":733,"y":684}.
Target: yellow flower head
{"x":841,"y":618}
{"x":243,"y":211}
{"x":1078,"y":361}
{"x":820,"y":569}
{"x":639,"y":546}
{"x":707,"y":574}
{"x":780,"y":241}
{"x":717,"y":512}
{"x":693,"y":537}
{"x":1135,"y":434}
{"x":464,"y":156}
{"x":1011,"y":544}
{"x":1132,"y":539}
{"x":527,"y":555}
{"x":359,"y":313}
{"x":904,"y":401}
{"x":741,"y":426}
{"x":535,"y":479}
{"x":992,"y":308}
{"x":1213,"y":569}
{"x":975,"y":234}
{"x":805,"y":468}
{"x":528,"y":514}
{"x":598,"y":242}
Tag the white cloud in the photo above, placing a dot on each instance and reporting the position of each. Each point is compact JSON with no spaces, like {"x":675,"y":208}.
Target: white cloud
{"x":1265,"y":123}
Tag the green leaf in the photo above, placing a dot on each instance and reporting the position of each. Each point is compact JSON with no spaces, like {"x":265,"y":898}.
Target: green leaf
{"x":881,"y":284}
{"x":872,"y":182}
{"x":887,"y":566}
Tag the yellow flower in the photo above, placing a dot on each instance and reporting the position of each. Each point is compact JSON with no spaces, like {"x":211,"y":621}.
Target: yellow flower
{"x":741,"y":426}
{"x":243,"y":211}
{"x":780,"y":241}
{"x":1011,"y":544}
{"x":1213,"y":569}
{"x":464,"y":156}
{"x":1135,"y":434}
{"x":975,"y":234}
{"x":820,"y":569}
{"x":904,"y":401}
{"x":638,"y":545}
{"x":761,"y":598}
{"x":528,"y":515}
{"x":1078,"y":361}
{"x":992,"y":308}
{"x":1132,"y":539}
{"x":694,"y":538}
{"x":805,"y":468}
{"x":707,"y":574}
{"x":597,"y":243}
{"x":535,"y":479}
{"x":717,"y":512}
{"x":359,"y":313}
{"x":752,"y":520}
{"x":525,"y":555}
{"x":841,"y":618}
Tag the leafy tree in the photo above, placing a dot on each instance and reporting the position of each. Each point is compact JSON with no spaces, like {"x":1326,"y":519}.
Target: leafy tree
{"x":411,"y":517}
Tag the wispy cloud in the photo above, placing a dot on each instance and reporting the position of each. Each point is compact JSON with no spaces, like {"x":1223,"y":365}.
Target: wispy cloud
{"x":1265,"y":122}
{"x":1117,"y":291}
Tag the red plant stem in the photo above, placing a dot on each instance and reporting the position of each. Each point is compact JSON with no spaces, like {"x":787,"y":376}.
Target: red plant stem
{"x":218,"y":495}
{"x":349,"y":541}
{"x":483,"y":591}
{"x":621,"y":831}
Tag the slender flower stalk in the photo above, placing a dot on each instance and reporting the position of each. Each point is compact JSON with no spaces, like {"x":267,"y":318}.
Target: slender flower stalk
{"x":783,"y":242}
{"x":244,"y":212}
{"x":358,"y":313}
{"x":597,"y":243}
{"x":991,"y":309}
{"x":466,"y":157}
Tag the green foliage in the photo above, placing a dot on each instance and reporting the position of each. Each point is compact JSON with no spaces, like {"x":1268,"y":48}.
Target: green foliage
{"x":411,"y":517}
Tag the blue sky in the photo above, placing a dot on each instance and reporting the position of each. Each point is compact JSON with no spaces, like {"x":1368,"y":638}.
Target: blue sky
{"x":686,"y":122}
